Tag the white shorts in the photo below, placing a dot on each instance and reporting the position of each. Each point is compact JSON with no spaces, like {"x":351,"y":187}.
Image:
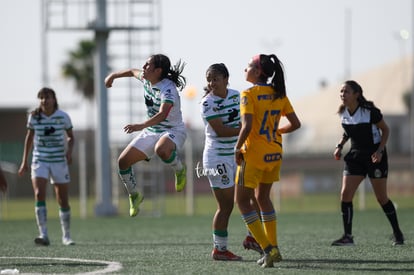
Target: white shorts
{"x":145,"y":141}
{"x":220,"y":173}
{"x":57,"y":172}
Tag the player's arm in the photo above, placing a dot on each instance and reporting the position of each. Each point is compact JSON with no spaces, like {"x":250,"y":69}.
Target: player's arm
{"x":125,"y":73}
{"x":293,"y":124}
{"x":28,"y":143}
{"x":71,"y":142}
{"x":338,"y":149}
{"x":165,"y":109}
{"x":223,"y":130}
{"x":246,"y":127}
{"x":385,"y":132}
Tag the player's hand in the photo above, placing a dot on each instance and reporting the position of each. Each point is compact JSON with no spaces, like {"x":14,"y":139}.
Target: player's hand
{"x":238,"y":156}
{"x":337,"y":154}
{"x":130,"y":128}
{"x":376,"y":157}
{"x":23,"y":168}
{"x":109,"y":80}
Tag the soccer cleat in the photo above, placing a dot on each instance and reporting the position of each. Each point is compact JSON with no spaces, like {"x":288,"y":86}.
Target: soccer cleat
{"x":268,"y":259}
{"x":251,"y":243}
{"x":67,"y":241}
{"x":398,"y":239}
{"x":180,"y":179}
{"x":134,"y":202}
{"x":345,"y":240}
{"x":42,"y":240}
{"x":224,"y":255}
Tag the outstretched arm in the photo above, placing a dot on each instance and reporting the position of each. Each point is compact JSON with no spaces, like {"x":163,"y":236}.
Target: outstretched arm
{"x":126,"y":73}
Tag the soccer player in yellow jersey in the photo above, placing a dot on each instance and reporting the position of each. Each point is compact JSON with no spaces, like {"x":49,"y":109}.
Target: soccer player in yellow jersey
{"x":258,"y":151}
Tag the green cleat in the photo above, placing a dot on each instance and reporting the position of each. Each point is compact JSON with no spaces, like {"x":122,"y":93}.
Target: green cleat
{"x":134,"y":202}
{"x":180,"y":179}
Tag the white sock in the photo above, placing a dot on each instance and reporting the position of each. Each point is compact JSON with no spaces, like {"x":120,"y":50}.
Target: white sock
{"x":174,"y":161}
{"x":65,"y":222}
{"x":220,"y":243}
{"x":128,"y":179}
{"x":41,"y":219}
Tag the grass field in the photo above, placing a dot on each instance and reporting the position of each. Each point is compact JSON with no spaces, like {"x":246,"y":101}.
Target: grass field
{"x":178,"y":244}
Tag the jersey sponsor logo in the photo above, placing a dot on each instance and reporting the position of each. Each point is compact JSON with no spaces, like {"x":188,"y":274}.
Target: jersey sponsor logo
{"x":265,"y":97}
{"x":148,"y":101}
{"x":233,"y":113}
{"x":49,"y":130}
{"x":272,"y":157}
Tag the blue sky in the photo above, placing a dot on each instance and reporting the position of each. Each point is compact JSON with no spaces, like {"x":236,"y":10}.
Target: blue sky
{"x":308,"y":36}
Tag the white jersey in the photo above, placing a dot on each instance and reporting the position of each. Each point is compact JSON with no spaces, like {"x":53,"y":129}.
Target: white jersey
{"x":164,"y":91}
{"x":228,"y":110}
{"x":49,"y":136}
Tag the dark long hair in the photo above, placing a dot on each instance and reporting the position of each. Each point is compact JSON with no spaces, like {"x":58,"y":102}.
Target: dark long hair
{"x":171,"y":73}
{"x":217,"y":68}
{"x":362,"y":101}
{"x":271,"y":66}
{"x":42,"y":92}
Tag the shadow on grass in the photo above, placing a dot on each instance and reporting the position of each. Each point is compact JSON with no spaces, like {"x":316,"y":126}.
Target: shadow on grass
{"x":348,"y":265}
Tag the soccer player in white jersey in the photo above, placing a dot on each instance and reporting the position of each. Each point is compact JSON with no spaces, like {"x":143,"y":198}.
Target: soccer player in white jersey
{"x":220,"y":113}
{"x":163,"y":133}
{"x":49,"y":132}
{"x":364,"y":125}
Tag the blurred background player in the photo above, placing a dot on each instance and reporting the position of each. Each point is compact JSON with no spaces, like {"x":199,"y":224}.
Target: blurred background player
{"x":258,"y":151}
{"x":363,"y":123}
{"x":163,"y":133}
{"x":47,"y":126}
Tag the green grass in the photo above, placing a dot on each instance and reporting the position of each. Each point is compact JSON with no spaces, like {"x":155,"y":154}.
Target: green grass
{"x":12,"y":209}
{"x":179,"y":244}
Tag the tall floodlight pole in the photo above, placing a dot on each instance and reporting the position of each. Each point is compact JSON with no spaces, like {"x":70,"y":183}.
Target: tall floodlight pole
{"x":104,"y":206}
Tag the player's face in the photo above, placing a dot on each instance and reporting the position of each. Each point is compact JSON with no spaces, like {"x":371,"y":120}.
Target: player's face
{"x":252,"y":72}
{"x":217,"y":83}
{"x":151,"y":73}
{"x":348,"y":96}
{"x":47,"y":103}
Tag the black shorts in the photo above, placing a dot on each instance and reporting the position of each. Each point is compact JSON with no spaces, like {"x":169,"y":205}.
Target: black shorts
{"x":359,"y":163}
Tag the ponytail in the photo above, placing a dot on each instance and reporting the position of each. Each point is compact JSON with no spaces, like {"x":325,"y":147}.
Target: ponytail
{"x":272,"y":67}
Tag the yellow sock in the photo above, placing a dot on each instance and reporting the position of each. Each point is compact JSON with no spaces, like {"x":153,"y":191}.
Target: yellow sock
{"x":254,"y":225}
{"x":270,"y":226}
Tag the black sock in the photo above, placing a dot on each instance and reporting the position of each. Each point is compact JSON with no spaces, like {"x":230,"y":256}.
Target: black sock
{"x":391,"y":214}
{"x":347,"y":210}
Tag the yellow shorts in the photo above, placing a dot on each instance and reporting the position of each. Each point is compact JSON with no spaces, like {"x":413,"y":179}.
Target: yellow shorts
{"x":250,"y":176}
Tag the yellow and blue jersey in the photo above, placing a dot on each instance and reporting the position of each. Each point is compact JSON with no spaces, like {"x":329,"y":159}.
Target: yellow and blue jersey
{"x":263,"y":146}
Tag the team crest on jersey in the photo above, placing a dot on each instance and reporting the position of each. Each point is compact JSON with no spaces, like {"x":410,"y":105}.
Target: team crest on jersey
{"x":244,"y":100}
{"x":225,"y":179}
